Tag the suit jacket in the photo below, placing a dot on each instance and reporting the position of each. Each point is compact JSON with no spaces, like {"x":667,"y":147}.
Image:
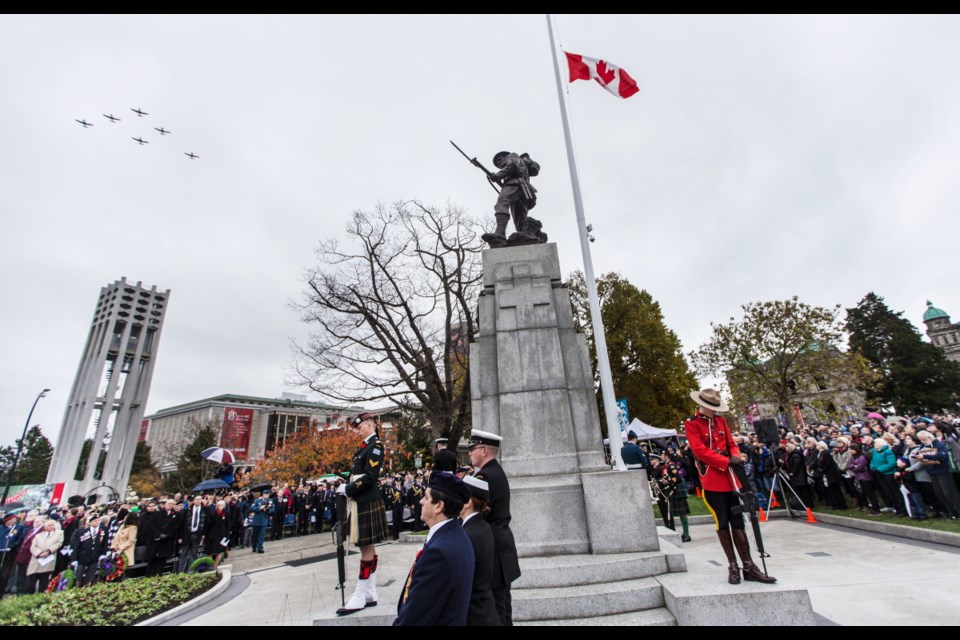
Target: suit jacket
{"x":483,"y":610}
{"x":437,"y":591}
{"x":88,"y":545}
{"x":367,"y":462}
{"x":186,"y":516}
{"x":506,"y":567}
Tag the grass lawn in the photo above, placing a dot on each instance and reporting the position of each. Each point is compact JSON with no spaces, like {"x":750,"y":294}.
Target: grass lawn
{"x":952,"y":526}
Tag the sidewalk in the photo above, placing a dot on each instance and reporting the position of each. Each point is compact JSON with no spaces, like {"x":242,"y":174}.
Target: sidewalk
{"x":853,"y":577}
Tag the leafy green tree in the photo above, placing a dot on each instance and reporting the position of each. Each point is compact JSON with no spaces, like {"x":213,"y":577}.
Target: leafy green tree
{"x":915,"y":376}
{"x":142,"y":459}
{"x":414,"y":437}
{"x":777,"y":349}
{"x":83,"y":462}
{"x":34,"y":460}
{"x":646,"y":358}
{"x":191,"y":467}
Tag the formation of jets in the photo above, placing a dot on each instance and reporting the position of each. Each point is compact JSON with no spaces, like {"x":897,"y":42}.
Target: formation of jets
{"x":140,"y":141}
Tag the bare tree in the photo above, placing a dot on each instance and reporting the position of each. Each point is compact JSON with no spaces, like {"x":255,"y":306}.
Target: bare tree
{"x":393,"y":315}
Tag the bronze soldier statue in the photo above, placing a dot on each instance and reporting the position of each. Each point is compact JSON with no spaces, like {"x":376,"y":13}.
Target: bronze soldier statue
{"x":517,"y":197}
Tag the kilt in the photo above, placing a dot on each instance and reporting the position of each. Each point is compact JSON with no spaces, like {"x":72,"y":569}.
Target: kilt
{"x":368,"y":523}
{"x":678,"y":505}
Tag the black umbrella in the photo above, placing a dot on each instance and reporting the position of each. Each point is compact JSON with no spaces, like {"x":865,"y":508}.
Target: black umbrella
{"x":263,"y":486}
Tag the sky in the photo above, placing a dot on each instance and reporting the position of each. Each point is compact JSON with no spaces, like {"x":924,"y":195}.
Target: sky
{"x":764,"y":157}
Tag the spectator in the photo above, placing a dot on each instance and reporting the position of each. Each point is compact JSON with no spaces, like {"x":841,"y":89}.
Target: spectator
{"x":884,"y":465}
{"x":216,"y":533}
{"x":904,"y":475}
{"x":43,"y":551}
{"x":832,"y":478}
{"x":935,"y":457}
{"x":33,"y":524}
{"x":125,"y":541}
{"x":88,"y":544}
{"x":797,"y":472}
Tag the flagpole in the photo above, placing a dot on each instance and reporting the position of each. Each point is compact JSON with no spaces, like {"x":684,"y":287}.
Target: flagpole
{"x":610,"y":408}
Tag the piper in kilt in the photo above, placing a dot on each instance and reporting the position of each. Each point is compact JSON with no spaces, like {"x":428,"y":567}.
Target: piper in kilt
{"x":368,"y":518}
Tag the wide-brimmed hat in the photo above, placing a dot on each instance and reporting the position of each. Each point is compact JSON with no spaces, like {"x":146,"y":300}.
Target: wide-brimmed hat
{"x":709,"y":399}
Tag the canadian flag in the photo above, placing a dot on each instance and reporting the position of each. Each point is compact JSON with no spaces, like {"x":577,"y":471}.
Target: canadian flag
{"x":614,"y":79}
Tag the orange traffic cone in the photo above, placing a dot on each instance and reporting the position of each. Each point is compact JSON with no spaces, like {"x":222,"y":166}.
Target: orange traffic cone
{"x":763,"y":515}
{"x":774,"y":503}
{"x":810,"y":517}
{"x":697,"y":490}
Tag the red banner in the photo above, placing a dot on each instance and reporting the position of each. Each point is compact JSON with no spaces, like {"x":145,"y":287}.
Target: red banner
{"x":144,"y":428}
{"x":235,"y":434}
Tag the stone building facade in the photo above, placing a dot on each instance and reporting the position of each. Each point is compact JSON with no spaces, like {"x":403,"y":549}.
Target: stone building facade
{"x":942,"y":332}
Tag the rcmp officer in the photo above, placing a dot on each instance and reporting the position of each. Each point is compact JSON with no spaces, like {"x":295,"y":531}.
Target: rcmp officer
{"x":715,"y":451}
{"x":484,"y":447}
{"x":632,"y":454}
{"x":368,"y":517}
{"x":444,"y":459}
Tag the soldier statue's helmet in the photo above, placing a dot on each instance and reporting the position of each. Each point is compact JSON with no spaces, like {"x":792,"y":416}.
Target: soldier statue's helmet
{"x":500,"y":157}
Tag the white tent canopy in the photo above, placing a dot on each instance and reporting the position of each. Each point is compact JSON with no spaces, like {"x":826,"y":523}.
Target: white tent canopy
{"x":646,"y":432}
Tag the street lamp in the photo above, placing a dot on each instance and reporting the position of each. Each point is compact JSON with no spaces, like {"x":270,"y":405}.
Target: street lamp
{"x":16,"y":458}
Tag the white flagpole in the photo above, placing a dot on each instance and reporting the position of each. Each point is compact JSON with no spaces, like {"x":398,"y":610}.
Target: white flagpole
{"x":603,"y":363}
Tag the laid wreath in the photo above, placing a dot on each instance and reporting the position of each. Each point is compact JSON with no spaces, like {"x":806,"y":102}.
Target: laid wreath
{"x":62,"y":581}
{"x":202,"y":565}
{"x":111,"y":567}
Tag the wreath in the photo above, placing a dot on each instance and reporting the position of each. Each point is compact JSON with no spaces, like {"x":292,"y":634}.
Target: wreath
{"x":111,"y":566}
{"x":202,"y":565}
{"x":62,"y":581}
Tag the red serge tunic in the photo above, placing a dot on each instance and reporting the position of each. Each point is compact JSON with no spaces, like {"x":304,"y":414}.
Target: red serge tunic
{"x":707,"y":437}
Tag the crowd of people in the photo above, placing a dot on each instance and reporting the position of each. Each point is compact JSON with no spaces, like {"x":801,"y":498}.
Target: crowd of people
{"x":905,"y":466}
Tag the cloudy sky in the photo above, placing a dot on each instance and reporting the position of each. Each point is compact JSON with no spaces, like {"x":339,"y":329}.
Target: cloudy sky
{"x":763,"y":157}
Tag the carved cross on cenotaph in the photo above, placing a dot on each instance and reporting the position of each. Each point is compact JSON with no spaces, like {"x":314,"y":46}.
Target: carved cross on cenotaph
{"x":525,"y":302}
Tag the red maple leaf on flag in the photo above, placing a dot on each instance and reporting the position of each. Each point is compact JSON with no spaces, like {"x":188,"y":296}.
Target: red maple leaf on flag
{"x":606,"y":75}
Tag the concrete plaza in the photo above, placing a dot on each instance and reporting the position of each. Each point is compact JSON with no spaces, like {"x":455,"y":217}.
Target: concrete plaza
{"x":853,"y":577}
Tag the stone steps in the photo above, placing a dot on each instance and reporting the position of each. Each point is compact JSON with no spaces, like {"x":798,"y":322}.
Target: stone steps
{"x":577,"y":602}
{"x":659,"y":617}
{"x":585,"y":569}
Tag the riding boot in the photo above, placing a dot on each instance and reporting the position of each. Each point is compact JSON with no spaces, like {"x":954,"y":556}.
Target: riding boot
{"x":751,"y":572}
{"x":727,"y":544}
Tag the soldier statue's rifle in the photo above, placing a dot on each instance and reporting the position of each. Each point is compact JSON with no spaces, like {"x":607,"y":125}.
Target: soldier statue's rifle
{"x":491,"y":177}
{"x":748,"y":504}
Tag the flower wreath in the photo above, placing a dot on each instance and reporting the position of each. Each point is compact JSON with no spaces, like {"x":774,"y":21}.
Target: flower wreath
{"x":62,"y":581}
{"x":202,"y":565}
{"x":111,"y":566}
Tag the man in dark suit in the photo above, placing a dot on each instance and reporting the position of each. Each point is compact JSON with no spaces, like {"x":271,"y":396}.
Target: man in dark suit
{"x":162,"y":543}
{"x":444,"y":459}
{"x":437,"y":590}
{"x":88,"y":544}
{"x":483,"y":610}
{"x":484,"y":447}
{"x":193,"y":522}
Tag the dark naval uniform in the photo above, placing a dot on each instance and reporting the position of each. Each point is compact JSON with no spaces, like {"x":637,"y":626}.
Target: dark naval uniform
{"x":364,"y":489}
{"x":506,"y":566}
{"x":633,"y":457}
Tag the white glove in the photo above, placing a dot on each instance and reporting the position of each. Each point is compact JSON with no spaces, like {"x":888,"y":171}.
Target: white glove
{"x":342,"y":489}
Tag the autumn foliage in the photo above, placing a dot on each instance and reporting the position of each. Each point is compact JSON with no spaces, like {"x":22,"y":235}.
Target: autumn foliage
{"x":306,"y":455}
